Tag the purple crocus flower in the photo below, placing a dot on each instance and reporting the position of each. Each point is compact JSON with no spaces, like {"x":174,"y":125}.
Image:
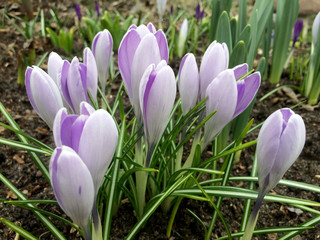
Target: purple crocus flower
{"x":229,"y":98}
{"x":55,"y":63}
{"x":73,"y":186}
{"x":171,"y":10}
{"x":102,"y":45}
{"x":78,"y":10}
{"x":157,"y":95}
{"x":76,"y":78}
{"x":97,"y":9}
{"x":214,"y":61}
{"x":297,"y":31}
{"x":199,"y":14}
{"x":43,"y":93}
{"x":93,"y":136}
{"x":140,"y":47}
{"x":280,"y":142}
{"x":188,"y":82}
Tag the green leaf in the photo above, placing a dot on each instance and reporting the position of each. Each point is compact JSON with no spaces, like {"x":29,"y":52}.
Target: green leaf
{"x":19,"y":230}
{"x":53,"y":36}
{"x":238,"y":55}
{"x":223,"y":34}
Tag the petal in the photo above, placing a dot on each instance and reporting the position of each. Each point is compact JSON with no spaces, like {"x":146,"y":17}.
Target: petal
{"x":247,"y":89}
{"x":62,"y":83}
{"x":151,"y":28}
{"x":28,"y":88}
{"x":214,"y":61}
{"x":86,"y":109}
{"x":163,"y":45}
{"x":127,"y":49}
{"x":54,"y":66}
{"x":158,"y":100}
{"x":66,"y":130}
{"x":221,"y":97}
{"x":92,"y":72}
{"x":58,"y":120}
{"x":45,"y":95}
{"x":240,"y":70}
{"x":268,"y":146}
{"x":147,"y":53}
{"x":142,"y":30}
{"x":72,"y":185}
{"x":188,"y":82}
{"x":97,"y":144}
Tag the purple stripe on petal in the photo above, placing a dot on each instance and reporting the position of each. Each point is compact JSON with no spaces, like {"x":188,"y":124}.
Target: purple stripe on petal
{"x":181,"y":65}
{"x":76,"y":131}
{"x":62,"y":83}
{"x":240,"y":70}
{"x":151,"y":28}
{"x":58,"y":120}
{"x":86,"y":109}
{"x":94,"y":42}
{"x":54,"y":173}
{"x":286,"y":114}
{"x":66,"y":130}
{"x":79,"y":191}
{"x":163,"y":45}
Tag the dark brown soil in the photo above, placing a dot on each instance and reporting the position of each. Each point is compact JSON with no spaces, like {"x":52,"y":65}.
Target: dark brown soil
{"x":16,"y":165}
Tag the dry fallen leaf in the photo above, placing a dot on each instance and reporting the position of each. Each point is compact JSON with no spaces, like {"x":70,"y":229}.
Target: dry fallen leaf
{"x":18,"y":159}
{"x":10,"y":194}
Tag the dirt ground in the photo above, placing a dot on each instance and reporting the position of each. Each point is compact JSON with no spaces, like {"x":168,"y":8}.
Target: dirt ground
{"x":16,"y":166}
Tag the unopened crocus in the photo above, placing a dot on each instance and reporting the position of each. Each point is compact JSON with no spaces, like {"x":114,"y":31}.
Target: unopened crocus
{"x":73,"y":186}
{"x":182,"y":37}
{"x":214,"y":61}
{"x":280,"y":142}
{"x":140,"y":47}
{"x":297,"y":31}
{"x":93,"y":135}
{"x":157,"y":95}
{"x":188,"y":82}
{"x":55,"y":63}
{"x":228,"y":98}
{"x":161,"y":8}
{"x":315,"y":29}
{"x":102,"y":45}
{"x":97,"y":9}
{"x":77,"y":9}
{"x":199,"y":14}
{"x":43,"y":93}
{"x":78,"y":78}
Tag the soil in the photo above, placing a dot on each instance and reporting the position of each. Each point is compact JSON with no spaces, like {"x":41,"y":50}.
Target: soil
{"x":17,"y":167}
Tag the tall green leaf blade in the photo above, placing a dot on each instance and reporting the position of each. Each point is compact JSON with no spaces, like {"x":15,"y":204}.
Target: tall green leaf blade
{"x":224,"y":30}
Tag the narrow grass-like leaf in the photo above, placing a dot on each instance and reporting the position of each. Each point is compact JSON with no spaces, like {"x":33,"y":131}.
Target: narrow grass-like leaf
{"x":19,"y":230}
{"x":223,"y":34}
{"x":276,"y":89}
{"x":23,"y":146}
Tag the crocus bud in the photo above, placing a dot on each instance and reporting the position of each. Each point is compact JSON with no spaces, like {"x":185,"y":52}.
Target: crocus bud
{"x":102,"y":50}
{"x":229,"y":98}
{"x":77,"y":10}
{"x":214,"y":61}
{"x":97,"y":9}
{"x":55,"y":63}
{"x":43,"y":94}
{"x":315,"y":29}
{"x":199,"y":14}
{"x":188,"y":82}
{"x":161,"y":8}
{"x":73,"y":186}
{"x":280,"y":142}
{"x":140,"y":47}
{"x":157,"y":95}
{"x":76,"y":78}
{"x":182,"y":37}
{"x":297,"y":31}
{"x":93,"y":135}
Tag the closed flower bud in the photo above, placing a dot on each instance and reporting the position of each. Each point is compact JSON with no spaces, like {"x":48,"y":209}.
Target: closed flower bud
{"x":315,"y":29}
{"x":55,"y":63}
{"x":140,"y":47}
{"x":182,"y":37}
{"x":73,"y":186}
{"x":102,"y":50}
{"x":157,"y":95}
{"x":188,"y":82}
{"x":43,"y":93}
{"x":297,"y":31}
{"x":214,"y":61}
{"x":280,"y":142}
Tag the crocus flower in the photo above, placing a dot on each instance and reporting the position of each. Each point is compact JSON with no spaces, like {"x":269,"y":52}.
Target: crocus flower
{"x":182,"y":37}
{"x":161,"y":8}
{"x":214,"y":61}
{"x":140,"y":47}
{"x":93,"y":136}
{"x":199,"y":14}
{"x":229,"y":98}
{"x":43,"y":93}
{"x":297,"y":31}
{"x":76,"y":78}
{"x":55,"y":63}
{"x":78,"y":10}
{"x":157,"y":95}
{"x":102,"y":50}
{"x":171,"y":10}
{"x":97,"y":9}
{"x":280,"y":142}
{"x":315,"y":29}
{"x":73,"y":186}
{"x":188,"y":82}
